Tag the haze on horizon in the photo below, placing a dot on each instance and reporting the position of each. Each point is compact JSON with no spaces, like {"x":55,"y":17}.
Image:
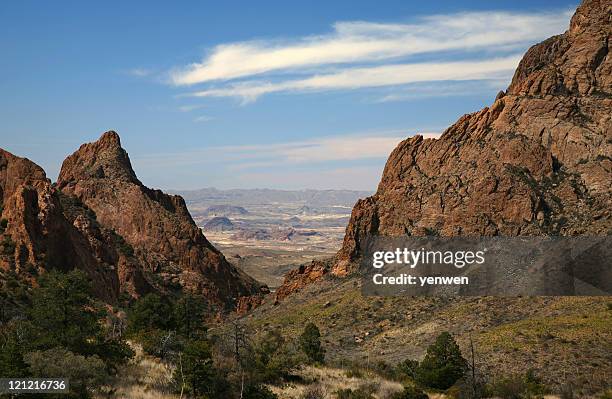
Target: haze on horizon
{"x":255,"y":96}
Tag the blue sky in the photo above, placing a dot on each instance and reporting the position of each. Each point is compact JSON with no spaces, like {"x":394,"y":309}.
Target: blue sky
{"x":254,"y":94}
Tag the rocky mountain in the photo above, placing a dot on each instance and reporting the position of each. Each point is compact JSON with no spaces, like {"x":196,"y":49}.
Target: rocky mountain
{"x":218,"y":223}
{"x":264,"y":196}
{"x":538,"y":161}
{"x":224,"y":210}
{"x":100,"y":218}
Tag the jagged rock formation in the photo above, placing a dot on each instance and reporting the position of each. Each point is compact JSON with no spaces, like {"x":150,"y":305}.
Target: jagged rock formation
{"x":46,"y":229}
{"x":164,"y":237}
{"x":299,"y":278}
{"x":101,"y":219}
{"x":538,"y":161}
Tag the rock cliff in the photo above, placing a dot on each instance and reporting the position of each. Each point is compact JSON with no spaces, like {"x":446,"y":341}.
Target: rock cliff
{"x":536,"y":162}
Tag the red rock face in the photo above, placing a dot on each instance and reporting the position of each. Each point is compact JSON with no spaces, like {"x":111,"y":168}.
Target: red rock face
{"x":101,"y":219}
{"x":537,"y":162}
{"x":297,"y":279}
{"x":165,"y":240}
{"x":45,"y":230}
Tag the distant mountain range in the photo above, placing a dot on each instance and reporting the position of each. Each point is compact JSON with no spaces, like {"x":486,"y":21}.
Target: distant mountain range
{"x":264,"y":196}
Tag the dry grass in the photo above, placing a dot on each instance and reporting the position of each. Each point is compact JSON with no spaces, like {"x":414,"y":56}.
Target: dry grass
{"x":330,"y":380}
{"x":144,"y":377}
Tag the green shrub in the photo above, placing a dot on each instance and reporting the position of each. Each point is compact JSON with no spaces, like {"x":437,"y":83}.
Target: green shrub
{"x":406,"y":369}
{"x":3,"y":225}
{"x":273,"y":358}
{"x":443,"y":364}
{"x":258,"y":392}
{"x":517,"y":387}
{"x":151,"y":312}
{"x":8,"y":246}
{"x":196,"y":374}
{"x":125,"y":248}
{"x":310,"y":343}
{"x":85,"y":374}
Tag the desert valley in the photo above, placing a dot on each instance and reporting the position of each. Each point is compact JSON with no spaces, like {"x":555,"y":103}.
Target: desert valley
{"x":134,"y":292}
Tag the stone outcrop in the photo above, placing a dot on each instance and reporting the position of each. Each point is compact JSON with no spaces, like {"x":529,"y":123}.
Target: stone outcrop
{"x":538,"y":161}
{"x":47,"y":230}
{"x":298,"y":278}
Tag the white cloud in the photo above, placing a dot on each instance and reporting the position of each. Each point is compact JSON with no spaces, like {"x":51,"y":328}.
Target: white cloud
{"x":362,"y":42}
{"x":377,"y":76}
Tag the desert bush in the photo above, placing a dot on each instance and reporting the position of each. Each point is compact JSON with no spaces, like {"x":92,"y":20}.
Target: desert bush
{"x":15,"y":338}
{"x":443,"y":364}
{"x":86,"y":374}
{"x":352,"y":394}
{"x":310,"y":343}
{"x":410,"y":392}
{"x":606,"y":394}
{"x":272,"y":358}
{"x":258,"y":392}
{"x":406,"y":369}
{"x":63,"y":314}
{"x":518,"y":387}
{"x":314,"y":392}
{"x":358,"y":393}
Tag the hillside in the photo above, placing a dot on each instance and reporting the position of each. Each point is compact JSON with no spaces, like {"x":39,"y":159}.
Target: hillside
{"x":536,"y":162}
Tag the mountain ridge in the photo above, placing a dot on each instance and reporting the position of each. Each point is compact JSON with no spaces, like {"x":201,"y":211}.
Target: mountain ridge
{"x":100,"y":218}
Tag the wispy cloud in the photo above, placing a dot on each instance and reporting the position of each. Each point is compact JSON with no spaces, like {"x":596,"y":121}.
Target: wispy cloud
{"x":378,"y":76}
{"x":366,"y":42}
{"x":139,"y":72}
{"x":353,"y":161}
{"x":192,"y":107}
{"x":439,"y":89}
{"x":351,"y":147}
{"x":203,"y":118}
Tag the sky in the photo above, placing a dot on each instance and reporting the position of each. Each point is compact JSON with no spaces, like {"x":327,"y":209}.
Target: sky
{"x":270,"y":94}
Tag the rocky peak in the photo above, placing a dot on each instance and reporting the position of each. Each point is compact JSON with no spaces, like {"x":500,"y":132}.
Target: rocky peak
{"x":102,"y":159}
{"x":572,"y":63}
{"x":538,"y":161}
{"x":156,"y":225}
{"x":16,"y":171}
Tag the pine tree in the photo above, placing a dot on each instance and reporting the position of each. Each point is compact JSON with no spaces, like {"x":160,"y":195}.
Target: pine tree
{"x":443,"y":364}
{"x":310,"y":343}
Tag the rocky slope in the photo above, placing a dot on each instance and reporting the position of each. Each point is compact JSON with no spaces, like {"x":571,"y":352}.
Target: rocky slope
{"x":46,"y":229}
{"x":164,"y":237}
{"x":101,"y":219}
{"x":536,"y":162}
